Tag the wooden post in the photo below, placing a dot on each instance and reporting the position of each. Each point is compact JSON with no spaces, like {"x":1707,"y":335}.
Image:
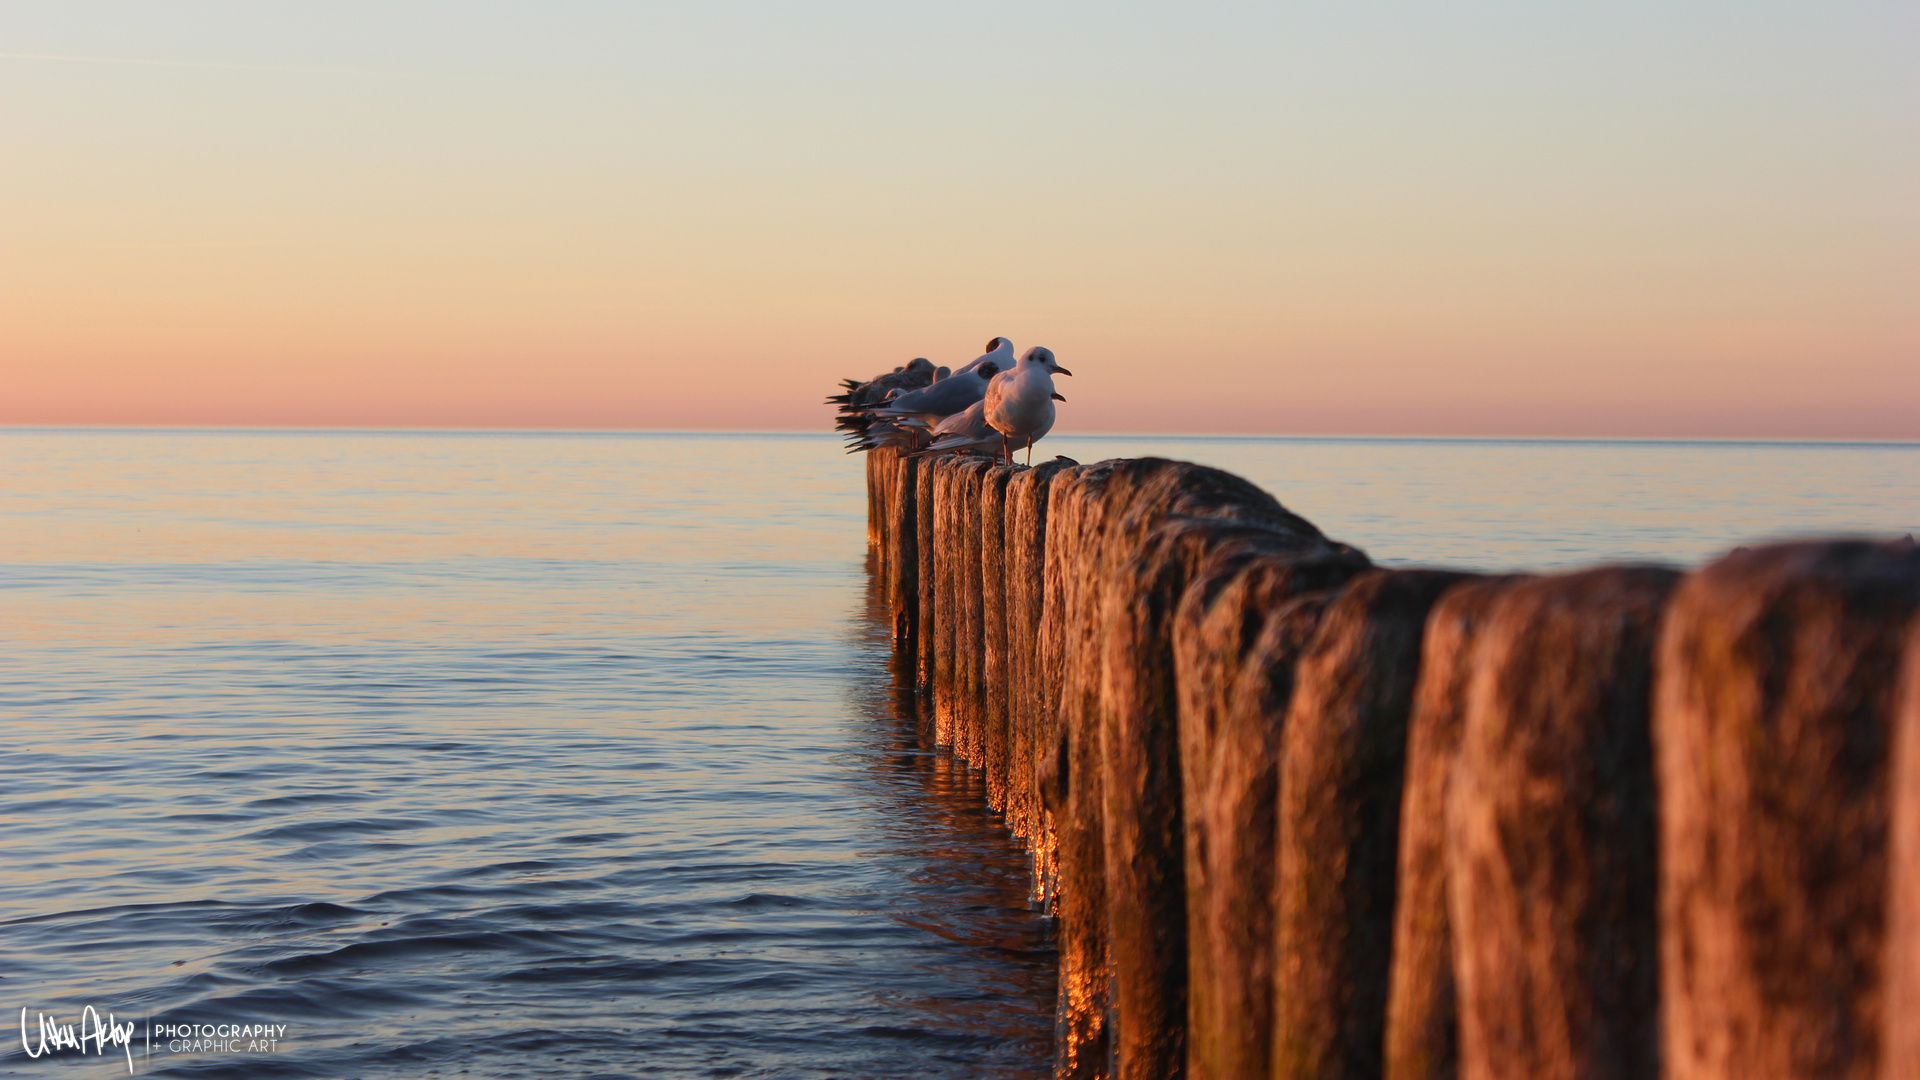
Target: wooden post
{"x":903,"y":557}
{"x":948,"y":543}
{"x":1551,"y":832}
{"x":996,"y":671}
{"x":1777,"y":672}
{"x":1900,"y":1052}
{"x":1237,"y":634}
{"x":1031,"y":699}
{"x":1423,"y":1017}
{"x":926,"y":637}
{"x":969,"y":640}
{"x":1342,"y":759}
{"x":1167,"y":519}
{"x":1071,"y":768}
{"x":873,"y":503}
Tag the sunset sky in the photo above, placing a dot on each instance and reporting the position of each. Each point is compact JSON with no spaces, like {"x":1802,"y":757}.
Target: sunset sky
{"x":1613,"y":219}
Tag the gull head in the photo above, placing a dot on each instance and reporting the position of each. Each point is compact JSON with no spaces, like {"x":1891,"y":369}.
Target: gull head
{"x":1043,"y":356}
{"x":1000,"y":344}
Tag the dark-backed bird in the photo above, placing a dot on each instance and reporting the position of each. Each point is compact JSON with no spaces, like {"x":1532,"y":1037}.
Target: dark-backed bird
{"x":953,"y":394}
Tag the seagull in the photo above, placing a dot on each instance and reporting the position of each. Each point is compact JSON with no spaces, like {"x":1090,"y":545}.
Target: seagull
{"x":860,"y":397}
{"x":999,"y":350}
{"x":1019,"y":401}
{"x":954,"y":393}
{"x":966,"y":430}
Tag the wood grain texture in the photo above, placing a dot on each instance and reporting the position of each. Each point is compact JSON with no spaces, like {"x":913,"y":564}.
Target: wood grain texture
{"x":1342,"y":760}
{"x":1551,"y":845}
{"x":1238,"y":632}
{"x":1900,"y":1055}
{"x":1168,"y":518}
{"x":995,"y":671}
{"x":926,"y":638}
{"x":1070,"y":770}
{"x":1030,"y":697}
{"x":969,"y":688}
{"x":1778,"y":670}
{"x":902,"y":563}
{"x":1423,"y":1021}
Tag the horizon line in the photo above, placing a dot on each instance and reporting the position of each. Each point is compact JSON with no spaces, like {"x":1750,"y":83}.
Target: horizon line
{"x":266,"y":429}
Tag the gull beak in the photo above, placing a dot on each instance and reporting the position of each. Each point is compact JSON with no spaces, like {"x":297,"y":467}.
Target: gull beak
{"x":1059,"y":397}
{"x":1058,"y":370}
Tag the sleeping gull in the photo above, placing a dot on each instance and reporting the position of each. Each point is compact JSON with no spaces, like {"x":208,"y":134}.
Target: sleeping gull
{"x":861,"y":397}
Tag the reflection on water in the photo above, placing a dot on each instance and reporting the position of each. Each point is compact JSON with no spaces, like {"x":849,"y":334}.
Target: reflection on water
{"x":486,"y":755}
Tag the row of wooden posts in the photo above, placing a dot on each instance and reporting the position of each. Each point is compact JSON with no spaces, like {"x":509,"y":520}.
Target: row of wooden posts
{"x":1301,"y":817}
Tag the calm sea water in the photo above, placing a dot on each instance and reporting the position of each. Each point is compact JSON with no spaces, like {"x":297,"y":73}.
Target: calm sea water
{"x":516,"y":754}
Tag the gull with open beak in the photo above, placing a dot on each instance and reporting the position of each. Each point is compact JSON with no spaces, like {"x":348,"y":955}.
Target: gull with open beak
{"x":1019,"y":401}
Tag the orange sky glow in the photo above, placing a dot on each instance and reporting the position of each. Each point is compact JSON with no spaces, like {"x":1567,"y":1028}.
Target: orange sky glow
{"x":1613,"y":223}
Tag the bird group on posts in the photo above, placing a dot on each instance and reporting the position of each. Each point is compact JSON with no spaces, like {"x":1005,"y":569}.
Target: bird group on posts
{"x":993,"y":404}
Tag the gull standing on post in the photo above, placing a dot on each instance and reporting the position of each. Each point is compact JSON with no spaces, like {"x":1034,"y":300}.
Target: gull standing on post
{"x":1019,"y":402}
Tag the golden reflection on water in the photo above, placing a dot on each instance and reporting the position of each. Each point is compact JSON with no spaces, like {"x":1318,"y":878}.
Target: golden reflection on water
{"x":974,"y":885}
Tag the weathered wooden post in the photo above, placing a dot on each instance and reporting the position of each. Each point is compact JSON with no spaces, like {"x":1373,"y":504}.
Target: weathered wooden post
{"x":874,"y":510}
{"x":1900,"y":1052}
{"x":926,"y":637}
{"x":1071,"y":766}
{"x":1551,"y":835}
{"x":1423,"y":1019}
{"x":949,"y":522}
{"x":969,"y":702}
{"x":1342,"y":759}
{"x":995,"y":671}
{"x":902,"y":562}
{"x":1167,"y":519}
{"x":1238,"y":632}
{"x":1031,"y":699}
{"x":1777,"y":672}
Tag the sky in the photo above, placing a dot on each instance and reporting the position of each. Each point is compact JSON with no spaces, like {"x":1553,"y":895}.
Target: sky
{"x":1624,"y":219}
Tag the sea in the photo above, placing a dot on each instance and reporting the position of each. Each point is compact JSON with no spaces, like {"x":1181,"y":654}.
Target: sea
{"x":512,"y":754}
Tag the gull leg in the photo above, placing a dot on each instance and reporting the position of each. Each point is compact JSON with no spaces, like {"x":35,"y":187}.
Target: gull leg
{"x":1029,"y":451}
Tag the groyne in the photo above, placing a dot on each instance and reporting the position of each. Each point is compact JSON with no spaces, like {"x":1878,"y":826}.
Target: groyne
{"x":1299,"y":816}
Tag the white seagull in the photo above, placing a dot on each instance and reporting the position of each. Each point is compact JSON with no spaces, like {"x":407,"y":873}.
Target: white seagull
{"x":955,"y":392}
{"x":965,"y":430}
{"x":1019,"y":401}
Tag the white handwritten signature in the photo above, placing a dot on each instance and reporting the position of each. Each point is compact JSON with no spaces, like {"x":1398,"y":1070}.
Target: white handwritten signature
{"x":57,"y":1036}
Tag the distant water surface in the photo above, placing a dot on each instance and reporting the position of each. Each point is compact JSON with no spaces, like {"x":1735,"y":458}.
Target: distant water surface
{"x":522,"y":754}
